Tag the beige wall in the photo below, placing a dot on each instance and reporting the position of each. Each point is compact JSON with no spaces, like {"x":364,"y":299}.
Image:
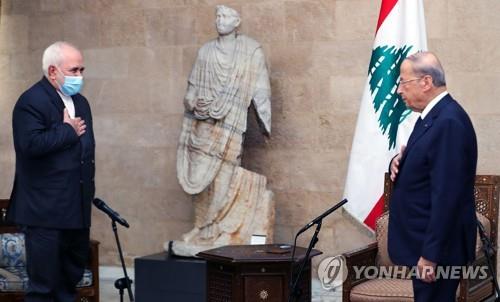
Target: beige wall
{"x":138,"y":55}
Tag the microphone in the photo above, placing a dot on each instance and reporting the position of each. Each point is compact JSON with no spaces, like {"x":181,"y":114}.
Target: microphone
{"x":101,"y":205}
{"x":320,"y":217}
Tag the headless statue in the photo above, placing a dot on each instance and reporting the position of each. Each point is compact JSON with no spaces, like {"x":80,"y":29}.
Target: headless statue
{"x":231,"y":203}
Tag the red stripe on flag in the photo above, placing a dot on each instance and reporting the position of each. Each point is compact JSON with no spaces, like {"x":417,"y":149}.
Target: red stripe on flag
{"x":385,"y":10}
{"x":377,"y":210}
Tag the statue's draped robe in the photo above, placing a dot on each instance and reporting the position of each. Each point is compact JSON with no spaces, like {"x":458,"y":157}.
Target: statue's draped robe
{"x":222,"y":86}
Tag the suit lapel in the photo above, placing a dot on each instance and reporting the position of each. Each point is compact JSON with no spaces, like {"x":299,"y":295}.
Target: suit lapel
{"x":425,"y":125}
{"x":78,"y":107}
{"x":417,"y":132}
{"x":54,"y":97}
{"x":86,"y":138}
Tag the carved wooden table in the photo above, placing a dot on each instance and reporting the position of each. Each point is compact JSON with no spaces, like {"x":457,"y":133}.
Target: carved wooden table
{"x":254,"y":273}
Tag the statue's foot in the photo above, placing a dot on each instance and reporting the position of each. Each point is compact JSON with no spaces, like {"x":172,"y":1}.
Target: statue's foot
{"x":186,"y":249}
{"x":189,"y":236}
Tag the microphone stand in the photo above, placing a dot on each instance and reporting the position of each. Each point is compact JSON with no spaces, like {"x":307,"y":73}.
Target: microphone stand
{"x":124,"y":282}
{"x":489,"y":251}
{"x":295,"y":292}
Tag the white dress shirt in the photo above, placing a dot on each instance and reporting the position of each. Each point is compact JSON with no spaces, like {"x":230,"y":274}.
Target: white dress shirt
{"x":68,"y":102}
{"x":432,"y":103}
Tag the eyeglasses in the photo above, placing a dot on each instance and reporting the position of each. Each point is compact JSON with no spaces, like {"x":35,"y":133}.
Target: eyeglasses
{"x":408,"y":81}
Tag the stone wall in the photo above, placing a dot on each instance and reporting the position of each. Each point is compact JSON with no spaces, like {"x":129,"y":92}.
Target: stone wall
{"x":138,"y":54}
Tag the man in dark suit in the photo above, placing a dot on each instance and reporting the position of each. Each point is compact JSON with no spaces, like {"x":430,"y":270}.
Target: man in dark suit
{"x":54,"y":179}
{"x":432,"y":222}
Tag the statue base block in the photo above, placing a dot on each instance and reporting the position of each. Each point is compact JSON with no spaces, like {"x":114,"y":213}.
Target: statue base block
{"x":160,"y":277}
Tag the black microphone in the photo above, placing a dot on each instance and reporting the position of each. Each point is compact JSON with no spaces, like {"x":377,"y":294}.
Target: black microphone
{"x":101,"y":205}
{"x":320,"y":217}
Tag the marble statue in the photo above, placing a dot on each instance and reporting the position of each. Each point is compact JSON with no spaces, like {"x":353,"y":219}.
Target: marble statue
{"x":231,"y":203}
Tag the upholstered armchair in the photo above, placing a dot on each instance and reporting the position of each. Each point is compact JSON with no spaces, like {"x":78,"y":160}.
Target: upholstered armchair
{"x":13,"y":275}
{"x":400,"y":289}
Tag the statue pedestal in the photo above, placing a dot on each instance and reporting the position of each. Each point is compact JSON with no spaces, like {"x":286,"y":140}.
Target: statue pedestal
{"x":159,"y":277}
{"x":254,"y":273}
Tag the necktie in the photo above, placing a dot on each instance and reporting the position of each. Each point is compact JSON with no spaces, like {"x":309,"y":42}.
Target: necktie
{"x":415,"y":130}
{"x":417,"y":124}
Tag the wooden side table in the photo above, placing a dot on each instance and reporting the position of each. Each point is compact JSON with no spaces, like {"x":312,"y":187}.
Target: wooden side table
{"x":254,"y":273}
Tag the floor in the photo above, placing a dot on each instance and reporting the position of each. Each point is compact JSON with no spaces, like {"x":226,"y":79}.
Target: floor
{"x":107,"y":277}
{"x":110,"y":294}
{"x":321,"y":295}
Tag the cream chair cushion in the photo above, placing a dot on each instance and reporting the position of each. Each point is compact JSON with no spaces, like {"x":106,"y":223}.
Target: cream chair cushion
{"x":383,"y":290}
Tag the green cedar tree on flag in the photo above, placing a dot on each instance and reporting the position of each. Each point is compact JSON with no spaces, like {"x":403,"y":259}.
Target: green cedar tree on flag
{"x":384,"y":122}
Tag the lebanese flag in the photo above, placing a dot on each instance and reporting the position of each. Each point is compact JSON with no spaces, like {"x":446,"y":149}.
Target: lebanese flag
{"x":384,"y":123}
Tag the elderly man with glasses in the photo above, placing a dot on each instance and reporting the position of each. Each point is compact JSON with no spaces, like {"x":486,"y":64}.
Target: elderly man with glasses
{"x":432,"y":222}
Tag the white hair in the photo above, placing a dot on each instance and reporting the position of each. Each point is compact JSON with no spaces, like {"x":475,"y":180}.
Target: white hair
{"x":53,"y":55}
{"x":232,"y":11}
{"x":431,"y":67}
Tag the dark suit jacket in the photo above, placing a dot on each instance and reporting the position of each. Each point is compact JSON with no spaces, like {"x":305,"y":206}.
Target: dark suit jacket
{"x":54,"y":179}
{"x":432,"y":210}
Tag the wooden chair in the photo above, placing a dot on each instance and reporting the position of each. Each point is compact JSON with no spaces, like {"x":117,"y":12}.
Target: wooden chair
{"x":85,"y":294}
{"x":487,"y":193}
